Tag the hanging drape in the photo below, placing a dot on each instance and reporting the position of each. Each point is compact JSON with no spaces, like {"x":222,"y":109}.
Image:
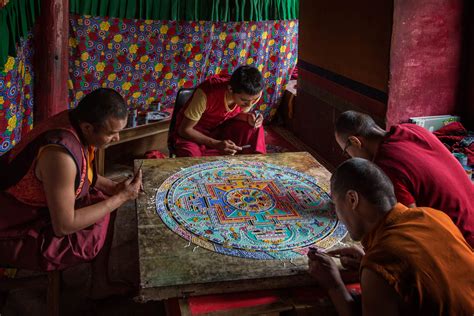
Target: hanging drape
{"x":16,"y":95}
{"x":189,"y":10}
{"x":149,"y":57}
{"x":18,"y":16}
{"x":16,"y":19}
{"x":148,"y":60}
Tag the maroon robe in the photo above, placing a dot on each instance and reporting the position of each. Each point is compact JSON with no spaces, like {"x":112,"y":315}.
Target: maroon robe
{"x":27,"y":239}
{"x":218,"y":123}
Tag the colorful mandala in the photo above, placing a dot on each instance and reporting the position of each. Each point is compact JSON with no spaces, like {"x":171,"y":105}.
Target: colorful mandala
{"x":248,"y":209}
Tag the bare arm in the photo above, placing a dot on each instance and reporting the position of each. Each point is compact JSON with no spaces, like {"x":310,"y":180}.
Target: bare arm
{"x":186,"y":130}
{"x":105,"y":185}
{"x":343,"y":301}
{"x":326,"y":273}
{"x":57,"y":170}
{"x":378,"y":298}
{"x":350,"y":257}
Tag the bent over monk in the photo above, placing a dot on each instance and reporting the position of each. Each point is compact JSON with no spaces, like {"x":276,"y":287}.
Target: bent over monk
{"x":217,"y":119}
{"x":54,"y":207}
{"x":416,"y":260}
{"x":422,"y":170}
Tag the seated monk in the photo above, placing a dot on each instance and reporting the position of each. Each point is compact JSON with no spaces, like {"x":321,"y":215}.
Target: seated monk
{"x":416,"y":260}
{"x":422,"y":170}
{"x":55,"y":208}
{"x":216,"y":120}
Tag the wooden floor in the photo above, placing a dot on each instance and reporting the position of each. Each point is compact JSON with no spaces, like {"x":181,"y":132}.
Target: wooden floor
{"x":76,"y":281}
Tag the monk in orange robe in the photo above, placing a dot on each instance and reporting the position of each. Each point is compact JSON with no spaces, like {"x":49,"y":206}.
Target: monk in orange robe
{"x":416,"y":260}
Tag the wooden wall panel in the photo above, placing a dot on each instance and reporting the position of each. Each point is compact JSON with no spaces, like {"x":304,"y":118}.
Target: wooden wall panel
{"x":350,"y":38}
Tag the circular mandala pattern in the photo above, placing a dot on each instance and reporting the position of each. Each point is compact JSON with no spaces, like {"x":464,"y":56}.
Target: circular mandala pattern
{"x":250,"y":200}
{"x":248,"y":209}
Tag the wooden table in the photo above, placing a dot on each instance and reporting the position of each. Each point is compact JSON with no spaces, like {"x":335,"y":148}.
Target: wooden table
{"x":169,"y":269}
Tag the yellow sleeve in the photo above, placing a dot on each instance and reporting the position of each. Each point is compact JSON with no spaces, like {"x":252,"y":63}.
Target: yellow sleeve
{"x":197,"y":106}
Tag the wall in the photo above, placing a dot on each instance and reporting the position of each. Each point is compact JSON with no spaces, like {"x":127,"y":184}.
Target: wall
{"x":344,"y":50}
{"x":425,"y":58}
{"x":467,"y":98}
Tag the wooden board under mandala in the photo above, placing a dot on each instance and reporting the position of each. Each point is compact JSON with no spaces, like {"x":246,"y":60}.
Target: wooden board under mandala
{"x":231,"y":223}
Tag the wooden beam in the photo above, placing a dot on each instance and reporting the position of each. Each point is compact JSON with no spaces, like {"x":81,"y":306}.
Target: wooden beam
{"x":51,"y":59}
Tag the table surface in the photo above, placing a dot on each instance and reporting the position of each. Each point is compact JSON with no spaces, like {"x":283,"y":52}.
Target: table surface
{"x":170,"y":267}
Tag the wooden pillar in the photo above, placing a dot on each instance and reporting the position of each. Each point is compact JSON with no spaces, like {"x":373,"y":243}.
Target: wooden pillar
{"x":51,"y":59}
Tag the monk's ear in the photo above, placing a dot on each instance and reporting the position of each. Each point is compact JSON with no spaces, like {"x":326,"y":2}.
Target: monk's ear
{"x":354,"y":141}
{"x":86,"y":128}
{"x":229,"y":88}
{"x":352,"y":199}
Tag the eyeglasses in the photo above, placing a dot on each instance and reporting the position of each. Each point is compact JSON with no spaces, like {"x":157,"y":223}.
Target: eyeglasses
{"x":344,"y":151}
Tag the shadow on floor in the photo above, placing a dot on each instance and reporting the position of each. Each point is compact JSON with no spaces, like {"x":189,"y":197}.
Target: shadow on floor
{"x":76,"y":282}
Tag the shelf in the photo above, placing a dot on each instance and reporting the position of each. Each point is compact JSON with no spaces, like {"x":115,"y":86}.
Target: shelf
{"x":133,"y":144}
{"x":145,"y":130}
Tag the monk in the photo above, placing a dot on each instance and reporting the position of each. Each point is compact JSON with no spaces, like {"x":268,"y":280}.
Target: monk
{"x":422,"y":170}
{"x":217,"y":118}
{"x":55,"y":208}
{"x":416,"y":260}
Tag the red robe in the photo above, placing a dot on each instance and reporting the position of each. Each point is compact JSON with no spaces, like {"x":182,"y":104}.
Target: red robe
{"x":27,"y":239}
{"x":218,"y":123}
{"x":424,"y":172}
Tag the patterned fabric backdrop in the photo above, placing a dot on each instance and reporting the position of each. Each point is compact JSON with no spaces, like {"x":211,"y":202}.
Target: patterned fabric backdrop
{"x":16,"y":96}
{"x":149,"y":60}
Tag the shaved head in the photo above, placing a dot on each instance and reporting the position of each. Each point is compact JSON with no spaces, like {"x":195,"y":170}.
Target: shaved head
{"x":99,"y":105}
{"x":357,"y":124}
{"x":365,"y":178}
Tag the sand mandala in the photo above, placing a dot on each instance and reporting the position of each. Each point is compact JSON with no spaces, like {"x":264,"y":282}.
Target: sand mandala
{"x":249,"y":209}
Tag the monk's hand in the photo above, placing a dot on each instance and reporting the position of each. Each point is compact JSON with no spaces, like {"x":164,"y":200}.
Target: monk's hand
{"x":350,"y":257}
{"x":132,"y":186}
{"x":254,"y":120}
{"x":324,"y":270}
{"x":228,"y":147}
{"x":120,"y":186}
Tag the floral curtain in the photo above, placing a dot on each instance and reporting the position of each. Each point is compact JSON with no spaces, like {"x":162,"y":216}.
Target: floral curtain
{"x":16,"y":19}
{"x":16,"y":95}
{"x":149,"y":61}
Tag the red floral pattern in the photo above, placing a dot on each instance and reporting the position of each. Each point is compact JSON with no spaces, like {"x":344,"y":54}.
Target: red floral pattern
{"x":148,"y":61}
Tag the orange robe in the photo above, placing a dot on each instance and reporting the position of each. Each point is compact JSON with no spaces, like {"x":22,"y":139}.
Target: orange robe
{"x":424,"y":257}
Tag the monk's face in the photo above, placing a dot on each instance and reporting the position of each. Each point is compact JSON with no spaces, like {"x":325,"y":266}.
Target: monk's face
{"x":352,"y":146}
{"x":346,"y":207}
{"x":245,"y":100}
{"x":99,"y":136}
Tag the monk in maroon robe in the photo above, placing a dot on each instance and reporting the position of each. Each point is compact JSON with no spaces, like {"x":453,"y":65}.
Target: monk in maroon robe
{"x":54,"y":207}
{"x":217,"y":120}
